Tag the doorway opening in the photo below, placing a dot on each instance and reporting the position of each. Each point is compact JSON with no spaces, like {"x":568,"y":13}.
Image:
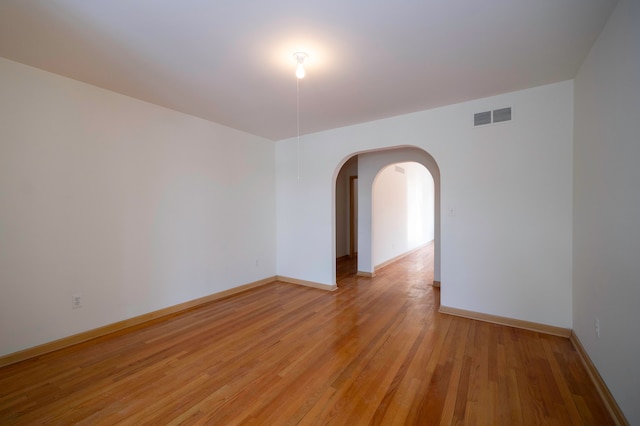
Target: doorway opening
{"x":402,"y":212}
{"x":353,"y":216}
{"x":370,"y":245}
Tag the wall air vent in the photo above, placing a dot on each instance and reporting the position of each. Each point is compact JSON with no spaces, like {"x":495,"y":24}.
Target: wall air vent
{"x":496,"y":116}
{"x":502,"y":114}
{"x":481,"y":118}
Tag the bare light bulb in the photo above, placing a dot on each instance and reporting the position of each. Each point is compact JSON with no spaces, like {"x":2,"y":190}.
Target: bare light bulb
{"x":300,"y":57}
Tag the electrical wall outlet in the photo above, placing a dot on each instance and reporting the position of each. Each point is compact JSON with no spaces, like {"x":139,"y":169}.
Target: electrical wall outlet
{"x":76,"y":301}
{"x":597,"y":325}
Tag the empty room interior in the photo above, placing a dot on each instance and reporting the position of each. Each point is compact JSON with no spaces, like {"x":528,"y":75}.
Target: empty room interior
{"x":331,"y":212}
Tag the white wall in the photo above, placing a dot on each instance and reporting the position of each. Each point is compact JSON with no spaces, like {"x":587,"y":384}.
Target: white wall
{"x":134,"y":206}
{"x":403,"y":203}
{"x":506,"y":250}
{"x":606,"y":282}
{"x":421,"y":209}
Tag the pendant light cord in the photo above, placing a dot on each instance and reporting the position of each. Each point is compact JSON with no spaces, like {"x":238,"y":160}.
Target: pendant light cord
{"x":298,"y":126}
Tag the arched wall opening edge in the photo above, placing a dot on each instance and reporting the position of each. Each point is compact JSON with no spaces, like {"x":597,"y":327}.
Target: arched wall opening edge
{"x":385,"y":157}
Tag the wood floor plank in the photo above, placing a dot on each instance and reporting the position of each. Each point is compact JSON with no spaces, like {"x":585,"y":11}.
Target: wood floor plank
{"x":376,"y":351}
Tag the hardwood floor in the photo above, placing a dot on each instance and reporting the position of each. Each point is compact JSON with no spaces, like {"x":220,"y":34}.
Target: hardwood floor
{"x":376,"y":351}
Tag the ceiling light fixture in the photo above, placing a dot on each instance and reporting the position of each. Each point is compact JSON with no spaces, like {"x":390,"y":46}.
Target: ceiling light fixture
{"x":300,"y":57}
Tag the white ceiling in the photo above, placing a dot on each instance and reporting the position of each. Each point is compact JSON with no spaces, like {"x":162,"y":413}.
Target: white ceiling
{"x":231,"y":61}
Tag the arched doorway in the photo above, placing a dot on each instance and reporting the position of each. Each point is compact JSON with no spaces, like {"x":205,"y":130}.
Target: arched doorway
{"x":368,"y":165}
